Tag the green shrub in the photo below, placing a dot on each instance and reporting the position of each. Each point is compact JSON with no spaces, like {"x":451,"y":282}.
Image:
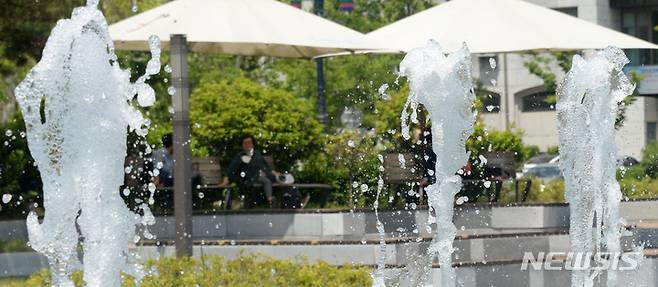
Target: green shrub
{"x":547,"y":192}
{"x":14,"y":246}
{"x":529,"y":151}
{"x":554,"y":150}
{"x":540,"y":191}
{"x":348,"y":161}
{"x":645,"y":187}
{"x":284,"y":125}
{"x":650,"y":159}
{"x":248,"y":270}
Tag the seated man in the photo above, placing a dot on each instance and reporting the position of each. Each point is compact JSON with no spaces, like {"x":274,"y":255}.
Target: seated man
{"x":248,"y":168}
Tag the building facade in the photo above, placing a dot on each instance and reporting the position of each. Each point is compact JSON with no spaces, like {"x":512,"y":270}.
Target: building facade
{"x":528,"y":109}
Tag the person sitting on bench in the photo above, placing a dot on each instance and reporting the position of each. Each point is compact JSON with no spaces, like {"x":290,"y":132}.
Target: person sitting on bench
{"x":249,"y":168}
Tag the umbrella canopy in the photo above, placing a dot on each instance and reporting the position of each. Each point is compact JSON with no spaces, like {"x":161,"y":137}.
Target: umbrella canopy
{"x":499,"y":26}
{"x":238,"y":27}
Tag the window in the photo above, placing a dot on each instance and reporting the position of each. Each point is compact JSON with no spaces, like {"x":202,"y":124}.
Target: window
{"x":537,"y":102}
{"x":651,"y":132}
{"x":488,"y":76}
{"x":491,"y":103}
{"x":572,"y":11}
{"x":641,"y":23}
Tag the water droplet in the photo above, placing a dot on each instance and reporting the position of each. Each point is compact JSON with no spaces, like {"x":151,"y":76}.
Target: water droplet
{"x":6,"y":198}
{"x":364,"y":188}
{"x":171,"y":91}
{"x":145,"y":95}
{"x":168,"y":69}
{"x":201,"y":195}
{"x":382,"y":92}
{"x":483,"y":160}
{"x":126,"y":191}
{"x":134,"y":6}
{"x":8,"y":133}
{"x":492,"y":63}
{"x":151,"y":187}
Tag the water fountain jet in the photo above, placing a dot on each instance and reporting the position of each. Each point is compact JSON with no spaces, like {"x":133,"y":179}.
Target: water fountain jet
{"x":444,"y":86}
{"x":588,"y":100}
{"x":76,"y":103}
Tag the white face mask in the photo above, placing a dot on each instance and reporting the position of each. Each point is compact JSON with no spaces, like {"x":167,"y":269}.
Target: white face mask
{"x":246,"y":158}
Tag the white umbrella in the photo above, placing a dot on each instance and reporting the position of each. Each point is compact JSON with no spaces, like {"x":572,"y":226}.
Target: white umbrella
{"x":238,"y":27}
{"x":499,"y":26}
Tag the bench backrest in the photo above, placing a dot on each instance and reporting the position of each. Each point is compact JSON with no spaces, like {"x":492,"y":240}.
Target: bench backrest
{"x":209,"y":169}
{"x":394,"y":171}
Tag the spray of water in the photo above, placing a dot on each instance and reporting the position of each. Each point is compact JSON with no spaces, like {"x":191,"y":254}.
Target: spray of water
{"x":378,"y":276}
{"x":76,"y":103}
{"x":443,"y":85}
{"x":587,"y":108}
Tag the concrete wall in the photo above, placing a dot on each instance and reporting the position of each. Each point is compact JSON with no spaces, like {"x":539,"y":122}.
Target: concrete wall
{"x":469,"y":219}
{"x":631,"y":138}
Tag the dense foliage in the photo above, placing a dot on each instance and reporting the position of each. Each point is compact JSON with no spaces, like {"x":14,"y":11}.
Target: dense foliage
{"x":350,"y":162}
{"x":19,"y":178}
{"x":11,"y":246}
{"x":249,"y":270}
{"x":283,"y":125}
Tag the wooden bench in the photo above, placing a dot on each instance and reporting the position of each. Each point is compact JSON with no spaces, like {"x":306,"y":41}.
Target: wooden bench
{"x":210,"y":170}
{"x":401,"y":169}
{"x":411,"y":172}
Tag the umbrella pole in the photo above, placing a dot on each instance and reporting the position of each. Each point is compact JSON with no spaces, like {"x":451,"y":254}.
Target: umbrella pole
{"x":322,"y":100}
{"x":507,"y":105}
{"x":182,"y":154}
{"x":323,"y":117}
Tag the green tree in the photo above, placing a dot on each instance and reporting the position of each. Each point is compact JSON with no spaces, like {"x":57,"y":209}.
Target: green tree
{"x":19,"y":178}
{"x":284,"y":125}
{"x":540,"y":66}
